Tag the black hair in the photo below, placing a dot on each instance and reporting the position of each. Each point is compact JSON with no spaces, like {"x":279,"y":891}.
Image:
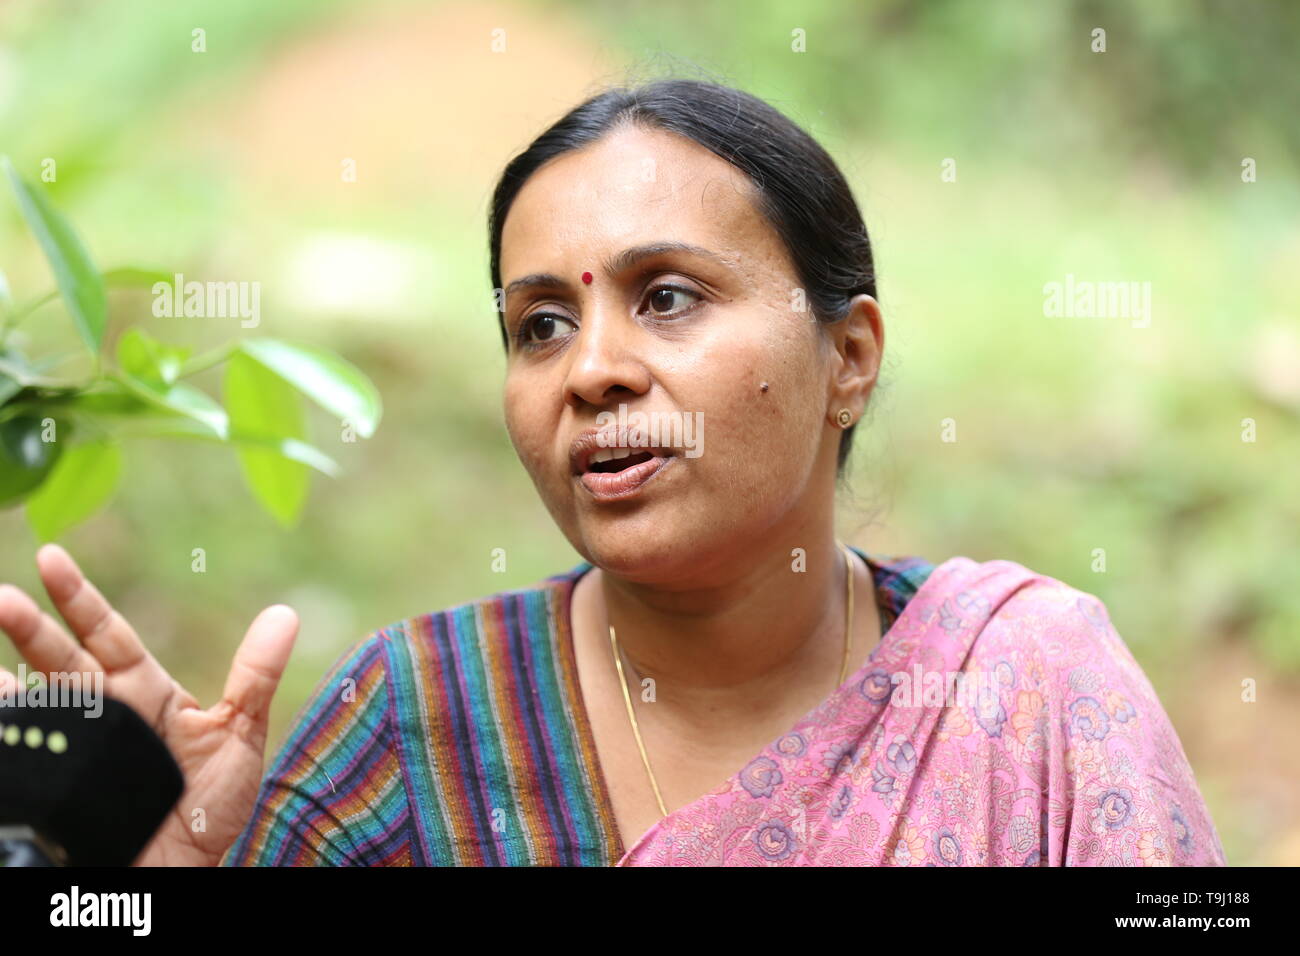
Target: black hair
{"x":801,"y":191}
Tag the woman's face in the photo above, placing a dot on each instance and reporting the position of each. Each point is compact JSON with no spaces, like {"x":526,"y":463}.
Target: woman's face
{"x":687,"y":339}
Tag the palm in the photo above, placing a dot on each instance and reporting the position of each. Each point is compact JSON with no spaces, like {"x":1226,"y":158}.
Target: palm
{"x":222,"y":772}
{"x":219,"y":750}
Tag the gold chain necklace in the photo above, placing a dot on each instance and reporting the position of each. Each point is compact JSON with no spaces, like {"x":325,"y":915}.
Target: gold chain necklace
{"x":627,"y":697}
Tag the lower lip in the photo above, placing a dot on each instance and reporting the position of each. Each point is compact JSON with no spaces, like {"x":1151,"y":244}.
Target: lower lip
{"x":612,"y":486}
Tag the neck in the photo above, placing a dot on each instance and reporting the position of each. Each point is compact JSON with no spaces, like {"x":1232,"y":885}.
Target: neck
{"x":746,"y":643}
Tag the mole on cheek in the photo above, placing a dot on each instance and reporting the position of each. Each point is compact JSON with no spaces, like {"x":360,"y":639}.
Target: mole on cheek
{"x":763,"y":388}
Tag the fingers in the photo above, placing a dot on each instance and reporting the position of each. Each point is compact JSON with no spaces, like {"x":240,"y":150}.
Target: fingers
{"x":103,"y":631}
{"x":44,"y":645}
{"x":260,"y":661}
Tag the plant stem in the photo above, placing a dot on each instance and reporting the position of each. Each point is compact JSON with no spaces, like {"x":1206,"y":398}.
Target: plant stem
{"x":208,"y":359}
{"x":17,"y":313}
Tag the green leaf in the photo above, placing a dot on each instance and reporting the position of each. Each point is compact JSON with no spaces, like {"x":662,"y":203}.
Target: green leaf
{"x":261,"y":404}
{"x":81,"y":285}
{"x":183,"y":428}
{"x":142,"y":419}
{"x":84,"y":480}
{"x":325,"y":378}
{"x":133,"y":277}
{"x":145,"y":358}
{"x":112,"y":398}
{"x":25,"y":459}
{"x":127,"y":277}
{"x":189,"y":401}
{"x":182,"y":399}
{"x":15,"y":365}
{"x":292,"y":449}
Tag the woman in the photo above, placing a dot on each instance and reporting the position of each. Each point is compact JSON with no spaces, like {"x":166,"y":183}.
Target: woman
{"x":719,"y":682}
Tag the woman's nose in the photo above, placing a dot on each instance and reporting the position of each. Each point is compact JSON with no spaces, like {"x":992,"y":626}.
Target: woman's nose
{"x":605,"y":361}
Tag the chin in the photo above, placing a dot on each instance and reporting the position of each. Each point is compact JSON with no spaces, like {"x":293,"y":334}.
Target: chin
{"x":647,"y":551}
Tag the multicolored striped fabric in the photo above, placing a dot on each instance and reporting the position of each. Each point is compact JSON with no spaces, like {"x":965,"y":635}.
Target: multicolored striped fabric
{"x":459,"y":738}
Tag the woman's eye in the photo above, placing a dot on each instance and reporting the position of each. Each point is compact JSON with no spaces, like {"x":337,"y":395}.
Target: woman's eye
{"x":540,"y":328}
{"x":661,"y":299}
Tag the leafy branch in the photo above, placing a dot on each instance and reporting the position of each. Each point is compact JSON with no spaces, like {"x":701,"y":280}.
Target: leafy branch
{"x":61,"y":440}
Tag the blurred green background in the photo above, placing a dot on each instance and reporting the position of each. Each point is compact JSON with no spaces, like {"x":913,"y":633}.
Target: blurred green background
{"x":1073,"y":433}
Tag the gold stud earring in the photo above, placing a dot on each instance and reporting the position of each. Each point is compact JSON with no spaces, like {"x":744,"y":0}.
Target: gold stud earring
{"x":845,"y":418}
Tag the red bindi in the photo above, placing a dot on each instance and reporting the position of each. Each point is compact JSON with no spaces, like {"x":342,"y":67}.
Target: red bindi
{"x":586,"y":278}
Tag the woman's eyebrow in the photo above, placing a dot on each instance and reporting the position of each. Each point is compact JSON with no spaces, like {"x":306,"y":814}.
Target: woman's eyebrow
{"x":621,"y":261}
{"x":630,"y":257}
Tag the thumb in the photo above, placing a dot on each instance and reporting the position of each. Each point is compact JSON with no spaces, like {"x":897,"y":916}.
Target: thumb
{"x":260,"y":661}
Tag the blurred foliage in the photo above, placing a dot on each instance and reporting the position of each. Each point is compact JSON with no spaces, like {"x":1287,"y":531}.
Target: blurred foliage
{"x":1182,"y":84}
{"x":60,"y":438}
{"x":1073,"y":434}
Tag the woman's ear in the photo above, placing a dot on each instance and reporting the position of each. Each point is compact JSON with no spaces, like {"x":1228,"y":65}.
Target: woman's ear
{"x":859,"y":343}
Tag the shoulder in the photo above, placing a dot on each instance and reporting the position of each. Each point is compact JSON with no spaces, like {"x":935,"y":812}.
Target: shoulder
{"x":391,"y":663}
{"x":1046,"y":649}
{"x":1071,"y":700}
{"x":415,"y":694}
{"x":1010,"y":608}
{"x":424,"y":666}
{"x":512,"y":614}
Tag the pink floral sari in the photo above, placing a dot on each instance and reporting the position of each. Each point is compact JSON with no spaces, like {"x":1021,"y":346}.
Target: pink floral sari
{"x":1024,"y":733}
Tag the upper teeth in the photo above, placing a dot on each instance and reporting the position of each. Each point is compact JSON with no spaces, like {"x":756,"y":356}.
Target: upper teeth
{"x":609,"y":454}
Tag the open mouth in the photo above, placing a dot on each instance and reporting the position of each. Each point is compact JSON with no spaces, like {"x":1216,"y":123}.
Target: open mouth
{"x":613,"y":474}
{"x":612,"y":465}
{"x":610,"y":461}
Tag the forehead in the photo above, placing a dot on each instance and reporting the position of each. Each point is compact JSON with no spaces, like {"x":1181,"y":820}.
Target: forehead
{"x":632,"y":186}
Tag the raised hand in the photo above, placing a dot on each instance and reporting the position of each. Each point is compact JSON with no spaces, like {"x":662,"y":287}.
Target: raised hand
{"x":220,"y":750}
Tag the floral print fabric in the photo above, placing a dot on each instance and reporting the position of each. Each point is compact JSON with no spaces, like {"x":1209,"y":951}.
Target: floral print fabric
{"x":1001,"y":721}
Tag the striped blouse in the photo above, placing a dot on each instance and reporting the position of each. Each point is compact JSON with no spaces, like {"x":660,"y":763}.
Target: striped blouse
{"x":459,"y":738}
